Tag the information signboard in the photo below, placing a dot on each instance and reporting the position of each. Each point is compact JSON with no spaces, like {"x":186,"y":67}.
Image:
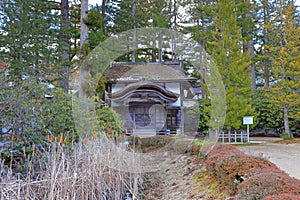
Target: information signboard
{"x":248,"y":120}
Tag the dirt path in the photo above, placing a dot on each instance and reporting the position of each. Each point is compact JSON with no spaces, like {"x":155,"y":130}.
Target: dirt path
{"x":285,"y":156}
{"x":175,"y":179}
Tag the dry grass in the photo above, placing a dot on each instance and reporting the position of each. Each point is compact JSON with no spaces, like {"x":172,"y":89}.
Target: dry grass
{"x":97,"y":170}
{"x":288,"y":141}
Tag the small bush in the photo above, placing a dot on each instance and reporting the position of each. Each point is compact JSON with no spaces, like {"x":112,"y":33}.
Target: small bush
{"x":194,"y":150}
{"x":286,"y":136}
{"x":226,"y":161}
{"x":147,"y":144}
{"x":182,"y":146}
{"x":267,"y":184}
{"x":155,"y":141}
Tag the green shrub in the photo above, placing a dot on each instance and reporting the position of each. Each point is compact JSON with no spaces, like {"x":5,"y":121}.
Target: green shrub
{"x":32,"y":117}
{"x":286,"y":136}
{"x":110,"y":120}
{"x":201,"y":111}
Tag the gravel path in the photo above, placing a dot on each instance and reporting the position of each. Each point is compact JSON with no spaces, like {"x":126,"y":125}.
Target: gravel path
{"x":285,"y":156}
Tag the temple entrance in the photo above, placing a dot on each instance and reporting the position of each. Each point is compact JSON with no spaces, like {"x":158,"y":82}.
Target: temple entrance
{"x":140,"y":115}
{"x":148,"y":117}
{"x":154,"y":117}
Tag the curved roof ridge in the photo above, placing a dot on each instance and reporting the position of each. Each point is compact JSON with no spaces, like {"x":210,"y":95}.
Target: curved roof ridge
{"x":144,"y":86}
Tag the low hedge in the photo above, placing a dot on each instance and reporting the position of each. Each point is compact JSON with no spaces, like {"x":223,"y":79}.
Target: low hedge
{"x":267,"y":184}
{"x":261,"y":177}
{"x":283,"y":197}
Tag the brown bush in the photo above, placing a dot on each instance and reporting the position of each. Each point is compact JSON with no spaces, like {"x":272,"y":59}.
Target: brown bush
{"x":283,"y":197}
{"x":155,"y":141}
{"x":268,"y":183}
{"x":181,"y":146}
{"x":194,"y":150}
{"x":147,"y":144}
{"x":226,"y":161}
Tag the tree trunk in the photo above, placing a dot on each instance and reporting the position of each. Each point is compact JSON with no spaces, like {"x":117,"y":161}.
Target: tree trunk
{"x":134,"y":31}
{"x":159,"y":46}
{"x":103,"y":13}
{"x":249,"y":45}
{"x":286,"y":119}
{"x":174,"y":31}
{"x":83,"y":26}
{"x":267,"y":72}
{"x":267,"y":62}
{"x":64,"y":46}
{"x":252,"y":70}
{"x":83,"y":76}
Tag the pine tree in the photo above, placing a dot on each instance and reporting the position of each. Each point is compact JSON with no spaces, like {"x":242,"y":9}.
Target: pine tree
{"x":246,"y":17}
{"x":286,"y":64}
{"x":234,"y":65}
{"x":28,"y":37}
{"x":201,"y":17}
{"x":64,"y":46}
{"x":124,"y":18}
{"x":266,"y":10}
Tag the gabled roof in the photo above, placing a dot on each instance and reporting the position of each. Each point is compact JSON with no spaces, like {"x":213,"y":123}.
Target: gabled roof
{"x":155,"y":72}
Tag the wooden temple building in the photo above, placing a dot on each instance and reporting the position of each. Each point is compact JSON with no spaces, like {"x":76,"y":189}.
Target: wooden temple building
{"x":150,"y":97}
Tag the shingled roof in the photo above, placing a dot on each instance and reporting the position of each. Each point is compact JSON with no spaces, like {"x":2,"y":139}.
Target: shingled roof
{"x":132,"y":72}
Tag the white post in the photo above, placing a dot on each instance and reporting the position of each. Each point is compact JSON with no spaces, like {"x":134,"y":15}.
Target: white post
{"x":223,"y":137}
{"x":242,"y":139}
{"x":235,"y":141}
{"x":248,"y":138}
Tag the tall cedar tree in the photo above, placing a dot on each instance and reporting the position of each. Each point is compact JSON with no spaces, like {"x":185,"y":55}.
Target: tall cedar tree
{"x":286,"y":65}
{"x":64,"y":46}
{"x":28,"y":37}
{"x":202,"y":18}
{"x":264,"y":36}
{"x":234,"y":65}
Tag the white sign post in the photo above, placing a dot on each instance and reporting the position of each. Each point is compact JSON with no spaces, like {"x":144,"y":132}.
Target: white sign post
{"x":248,"y":120}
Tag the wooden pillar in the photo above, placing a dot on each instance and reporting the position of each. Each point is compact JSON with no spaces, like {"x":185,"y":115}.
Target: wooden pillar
{"x":182,"y":119}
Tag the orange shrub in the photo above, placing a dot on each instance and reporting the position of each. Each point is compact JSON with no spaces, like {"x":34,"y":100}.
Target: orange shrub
{"x":267,"y":184}
{"x":262,"y":178}
{"x":283,"y":197}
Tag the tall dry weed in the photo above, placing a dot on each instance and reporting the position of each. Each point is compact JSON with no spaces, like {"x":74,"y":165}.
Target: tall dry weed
{"x":95,"y":170}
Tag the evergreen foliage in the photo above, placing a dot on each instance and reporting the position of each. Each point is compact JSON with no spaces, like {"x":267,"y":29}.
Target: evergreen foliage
{"x":29,"y":37}
{"x":233,"y":64}
{"x":286,"y":64}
